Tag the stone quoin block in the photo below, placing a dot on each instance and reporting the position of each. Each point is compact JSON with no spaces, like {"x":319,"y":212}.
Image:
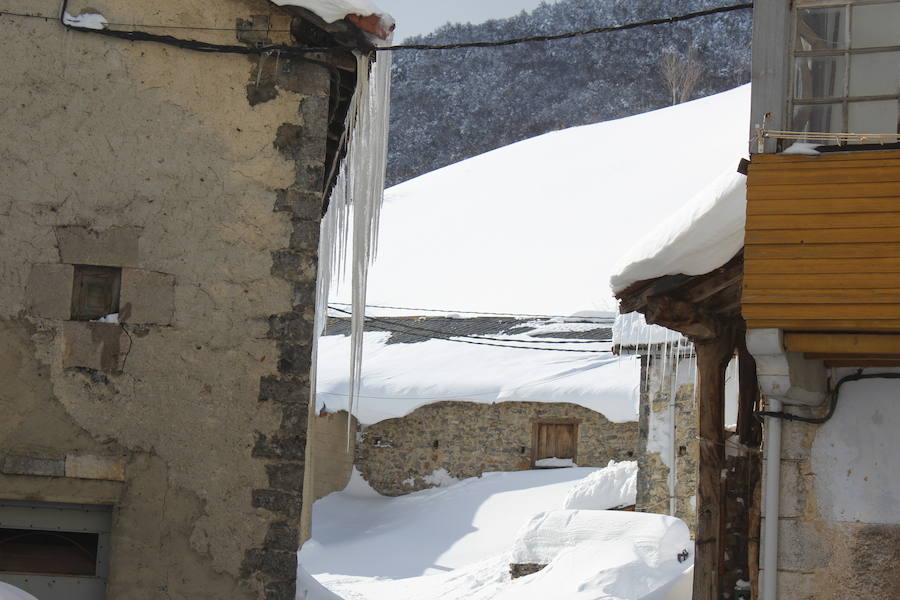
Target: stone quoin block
{"x":49,"y":291}
{"x":147,"y":297}
{"x":113,"y":247}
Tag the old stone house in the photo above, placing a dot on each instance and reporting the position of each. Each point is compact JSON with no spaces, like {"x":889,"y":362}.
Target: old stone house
{"x":440,"y":399}
{"x":806,"y":297}
{"x":165,"y":171}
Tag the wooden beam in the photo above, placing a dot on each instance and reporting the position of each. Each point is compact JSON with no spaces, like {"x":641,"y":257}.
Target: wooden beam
{"x":749,"y":428}
{"x":815,"y":325}
{"x":842,"y":343}
{"x":712,"y":360}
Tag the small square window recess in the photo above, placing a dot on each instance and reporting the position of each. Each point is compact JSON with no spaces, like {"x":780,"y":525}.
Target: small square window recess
{"x":95,"y":292}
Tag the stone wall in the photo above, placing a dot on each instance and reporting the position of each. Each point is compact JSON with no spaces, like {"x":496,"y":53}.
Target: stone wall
{"x":839,"y":525}
{"x":189,"y":416}
{"x":397,"y":456}
{"x":660,"y":378}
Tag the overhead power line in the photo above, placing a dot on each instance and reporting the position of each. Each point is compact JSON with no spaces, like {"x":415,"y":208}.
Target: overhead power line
{"x":449,"y":337}
{"x":446,"y":334}
{"x":482,"y":313}
{"x":135,"y":35}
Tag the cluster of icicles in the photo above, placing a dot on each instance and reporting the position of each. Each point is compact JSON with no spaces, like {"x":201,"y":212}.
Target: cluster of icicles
{"x":351,"y":223}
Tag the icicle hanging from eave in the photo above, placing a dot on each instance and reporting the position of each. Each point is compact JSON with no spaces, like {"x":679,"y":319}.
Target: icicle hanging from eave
{"x":354,"y":210}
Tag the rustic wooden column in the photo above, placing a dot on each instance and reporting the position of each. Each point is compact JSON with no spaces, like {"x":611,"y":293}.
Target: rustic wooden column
{"x":713,"y":356}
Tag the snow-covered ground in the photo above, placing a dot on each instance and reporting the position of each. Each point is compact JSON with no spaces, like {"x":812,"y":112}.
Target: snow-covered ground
{"x":537,"y":226}
{"x":9,"y":592}
{"x":456,"y":542}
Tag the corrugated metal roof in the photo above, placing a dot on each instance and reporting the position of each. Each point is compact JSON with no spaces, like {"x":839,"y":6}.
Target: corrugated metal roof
{"x":410,"y":330}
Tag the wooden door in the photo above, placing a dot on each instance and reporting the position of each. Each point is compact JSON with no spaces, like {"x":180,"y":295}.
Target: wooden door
{"x":555,"y":440}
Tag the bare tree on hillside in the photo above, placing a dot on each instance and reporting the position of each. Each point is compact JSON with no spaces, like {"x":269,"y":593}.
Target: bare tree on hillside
{"x":681,"y":73}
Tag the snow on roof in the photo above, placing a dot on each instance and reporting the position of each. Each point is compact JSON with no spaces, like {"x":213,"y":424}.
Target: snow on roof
{"x":630,"y":332}
{"x":397,"y":378}
{"x":536,"y":227}
{"x":702,"y":235}
{"x":335,"y":10}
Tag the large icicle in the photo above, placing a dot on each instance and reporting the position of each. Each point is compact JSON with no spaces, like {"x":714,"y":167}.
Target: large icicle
{"x":355,"y":206}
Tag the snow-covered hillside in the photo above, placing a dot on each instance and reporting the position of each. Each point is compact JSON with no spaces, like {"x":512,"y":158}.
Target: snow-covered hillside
{"x":536,"y":227}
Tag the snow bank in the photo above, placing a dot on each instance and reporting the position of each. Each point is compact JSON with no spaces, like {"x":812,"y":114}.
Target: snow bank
{"x":701,"y":236}
{"x":535,"y":227}
{"x":431,"y":531}
{"x":659,"y":538}
{"x":398,"y":378}
{"x":611,"y":487}
{"x":611,"y":570}
{"x":601,"y":554}
{"x":10,"y":592}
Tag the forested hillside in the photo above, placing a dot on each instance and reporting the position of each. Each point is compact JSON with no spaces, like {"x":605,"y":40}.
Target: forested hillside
{"x":452,"y":104}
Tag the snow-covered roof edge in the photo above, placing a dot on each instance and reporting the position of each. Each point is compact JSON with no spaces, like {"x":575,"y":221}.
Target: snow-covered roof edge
{"x":702,"y":236}
{"x":362,"y":13}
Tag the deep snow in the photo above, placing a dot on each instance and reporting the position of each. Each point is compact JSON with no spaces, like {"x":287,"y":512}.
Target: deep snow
{"x":333,"y":10}
{"x":9,"y":592}
{"x":456,"y":543}
{"x":702,"y":235}
{"x":398,"y":378}
{"x":535,"y":227}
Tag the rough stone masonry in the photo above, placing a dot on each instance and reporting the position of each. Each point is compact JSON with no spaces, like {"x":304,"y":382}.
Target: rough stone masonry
{"x":185,"y":190}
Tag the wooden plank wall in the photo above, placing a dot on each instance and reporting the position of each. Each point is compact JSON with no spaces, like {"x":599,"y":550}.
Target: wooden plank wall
{"x":822,"y":246}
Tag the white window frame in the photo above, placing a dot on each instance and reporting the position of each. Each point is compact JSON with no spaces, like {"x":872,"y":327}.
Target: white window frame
{"x":845,"y":99}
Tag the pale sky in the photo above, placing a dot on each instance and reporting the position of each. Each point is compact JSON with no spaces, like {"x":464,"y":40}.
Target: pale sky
{"x":423,"y":16}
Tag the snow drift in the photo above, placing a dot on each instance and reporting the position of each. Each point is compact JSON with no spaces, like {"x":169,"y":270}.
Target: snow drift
{"x":611,"y":487}
{"x":10,"y":592}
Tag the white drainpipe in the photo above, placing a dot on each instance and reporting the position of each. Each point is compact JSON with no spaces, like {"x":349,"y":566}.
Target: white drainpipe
{"x":772,"y":489}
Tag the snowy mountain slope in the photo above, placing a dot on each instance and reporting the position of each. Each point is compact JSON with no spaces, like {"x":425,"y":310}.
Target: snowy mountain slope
{"x":536,"y":227}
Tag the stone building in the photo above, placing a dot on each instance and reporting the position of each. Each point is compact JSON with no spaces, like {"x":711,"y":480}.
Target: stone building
{"x":431,"y":409}
{"x":668,"y":445}
{"x":160,"y":214}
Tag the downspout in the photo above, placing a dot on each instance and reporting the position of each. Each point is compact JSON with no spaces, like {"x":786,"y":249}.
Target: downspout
{"x":771,"y":502}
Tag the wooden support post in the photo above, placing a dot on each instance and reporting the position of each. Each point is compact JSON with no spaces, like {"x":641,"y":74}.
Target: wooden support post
{"x":749,"y":428}
{"x":712,"y":360}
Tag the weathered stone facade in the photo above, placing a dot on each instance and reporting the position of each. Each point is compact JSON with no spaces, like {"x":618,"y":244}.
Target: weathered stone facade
{"x":660,"y":378}
{"x":467,"y":439}
{"x":839,"y":526}
{"x":189,"y":415}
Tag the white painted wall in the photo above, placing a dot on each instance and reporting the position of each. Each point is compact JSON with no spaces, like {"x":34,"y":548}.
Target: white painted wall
{"x":856,"y":455}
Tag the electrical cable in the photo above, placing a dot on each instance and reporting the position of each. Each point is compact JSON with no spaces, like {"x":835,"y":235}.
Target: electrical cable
{"x":834,"y":399}
{"x":483,"y":313}
{"x":295,"y":51}
{"x":474,"y":337}
{"x":451,"y":337}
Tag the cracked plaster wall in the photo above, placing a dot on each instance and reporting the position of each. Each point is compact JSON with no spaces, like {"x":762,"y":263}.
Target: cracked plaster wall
{"x":101,"y":133}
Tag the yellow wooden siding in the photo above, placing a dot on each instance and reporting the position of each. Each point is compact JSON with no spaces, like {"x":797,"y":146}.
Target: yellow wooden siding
{"x":822,"y":245}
